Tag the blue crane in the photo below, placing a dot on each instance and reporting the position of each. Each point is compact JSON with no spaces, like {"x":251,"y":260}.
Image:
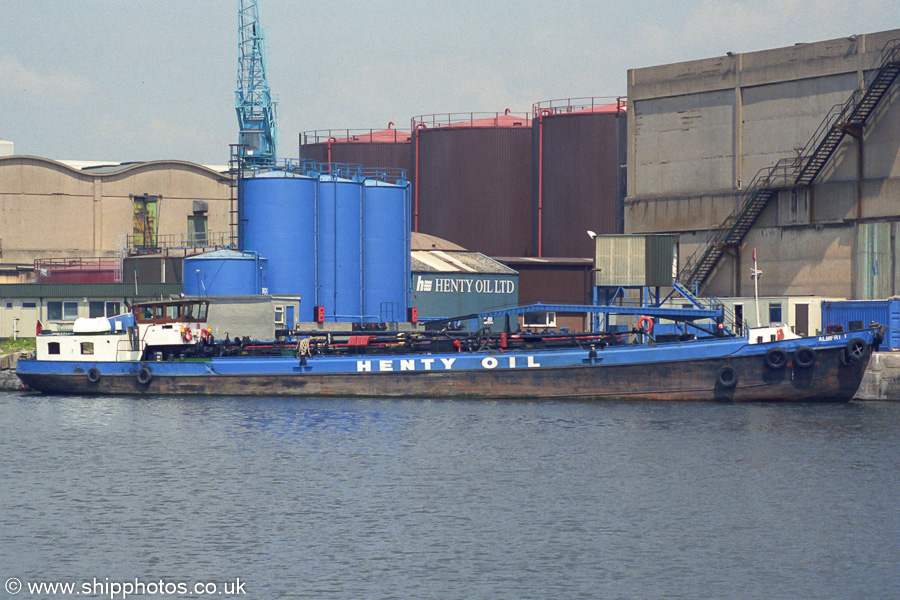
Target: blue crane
{"x":253,"y":98}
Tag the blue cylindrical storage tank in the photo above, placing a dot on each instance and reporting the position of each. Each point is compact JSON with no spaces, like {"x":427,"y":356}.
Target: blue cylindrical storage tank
{"x":223,"y":273}
{"x":339,"y":260}
{"x":386,"y":249}
{"x":278,"y":214}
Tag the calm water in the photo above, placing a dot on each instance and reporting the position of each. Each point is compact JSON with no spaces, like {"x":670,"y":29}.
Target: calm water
{"x":445,"y":500}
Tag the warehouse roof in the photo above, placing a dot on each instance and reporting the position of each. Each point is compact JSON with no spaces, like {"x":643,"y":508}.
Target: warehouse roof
{"x":439,"y":261}
{"x":423,"y":241}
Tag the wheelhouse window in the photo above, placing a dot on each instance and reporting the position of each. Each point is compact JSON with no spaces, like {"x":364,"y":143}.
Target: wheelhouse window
{"x":168,"y":312}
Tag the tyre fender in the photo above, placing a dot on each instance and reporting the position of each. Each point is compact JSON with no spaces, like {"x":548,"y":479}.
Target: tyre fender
{"x":726,"y":377}
{"x":93,"y":375}
{"x":144,"y":376}
{"x":855,"y":350}
{"x":804,"y":357}
{"x":776,"y":358}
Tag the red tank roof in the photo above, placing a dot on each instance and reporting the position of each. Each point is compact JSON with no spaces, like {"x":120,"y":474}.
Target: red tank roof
{"x":482,"y":119}
{"x":355,"y":136}
{"x":580,"y":106}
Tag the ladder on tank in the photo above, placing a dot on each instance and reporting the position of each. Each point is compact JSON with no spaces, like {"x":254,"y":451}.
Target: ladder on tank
{"x":236,"y":173}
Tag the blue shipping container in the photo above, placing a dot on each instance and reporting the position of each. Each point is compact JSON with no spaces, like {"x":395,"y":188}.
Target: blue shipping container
{"x":853,"y":314}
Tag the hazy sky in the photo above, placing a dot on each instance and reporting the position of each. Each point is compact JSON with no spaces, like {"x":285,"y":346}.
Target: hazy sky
{"x":155,"y":79}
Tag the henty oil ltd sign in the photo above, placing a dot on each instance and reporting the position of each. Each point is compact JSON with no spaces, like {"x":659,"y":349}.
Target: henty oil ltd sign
{"x":462,"y":285}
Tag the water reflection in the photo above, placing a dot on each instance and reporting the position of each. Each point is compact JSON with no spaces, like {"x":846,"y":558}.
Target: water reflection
{"x":455,"y":499}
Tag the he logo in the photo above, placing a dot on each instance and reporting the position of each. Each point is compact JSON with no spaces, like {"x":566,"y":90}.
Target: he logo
{"x":423,"y":286}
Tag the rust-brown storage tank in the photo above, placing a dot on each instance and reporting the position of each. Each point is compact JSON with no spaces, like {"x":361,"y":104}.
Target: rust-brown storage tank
{"x":578,"y":183}
{"x":387,"y":149}
{"x":471,"y":175}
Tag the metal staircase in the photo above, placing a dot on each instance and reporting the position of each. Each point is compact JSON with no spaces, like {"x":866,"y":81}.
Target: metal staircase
{"x":796,"y":172}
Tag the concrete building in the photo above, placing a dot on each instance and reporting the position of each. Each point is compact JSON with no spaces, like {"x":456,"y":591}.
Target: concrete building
{"x":50,"y":209}
{"x":700,"y":131}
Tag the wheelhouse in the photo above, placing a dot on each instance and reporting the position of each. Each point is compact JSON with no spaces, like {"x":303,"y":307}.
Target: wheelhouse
{"x":171,"y":311}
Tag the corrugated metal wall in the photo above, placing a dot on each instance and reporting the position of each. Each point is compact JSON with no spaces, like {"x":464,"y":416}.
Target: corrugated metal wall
{"x":447,"y":295}
{"x":635,"y":260}
{"x":553,"y":283}
{"x":886,"y":312}
{"x":474,"y":187}
{"x":875,"y":262}
{"x":578,"y":169}
{"x":152,"y":269}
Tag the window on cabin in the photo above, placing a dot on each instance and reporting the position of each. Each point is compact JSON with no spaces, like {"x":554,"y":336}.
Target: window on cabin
{"x":87,"y":347}
{"x":53,"y":348}
{"x":775,"y":312}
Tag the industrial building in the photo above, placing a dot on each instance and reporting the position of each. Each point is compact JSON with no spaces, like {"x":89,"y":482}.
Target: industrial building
{"x":448,"y":281}
{"x":57,"y":210}
{"x":788,"y":154}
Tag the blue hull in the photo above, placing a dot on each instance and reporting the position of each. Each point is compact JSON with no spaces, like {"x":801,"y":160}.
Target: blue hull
{"x":729,"y":369}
